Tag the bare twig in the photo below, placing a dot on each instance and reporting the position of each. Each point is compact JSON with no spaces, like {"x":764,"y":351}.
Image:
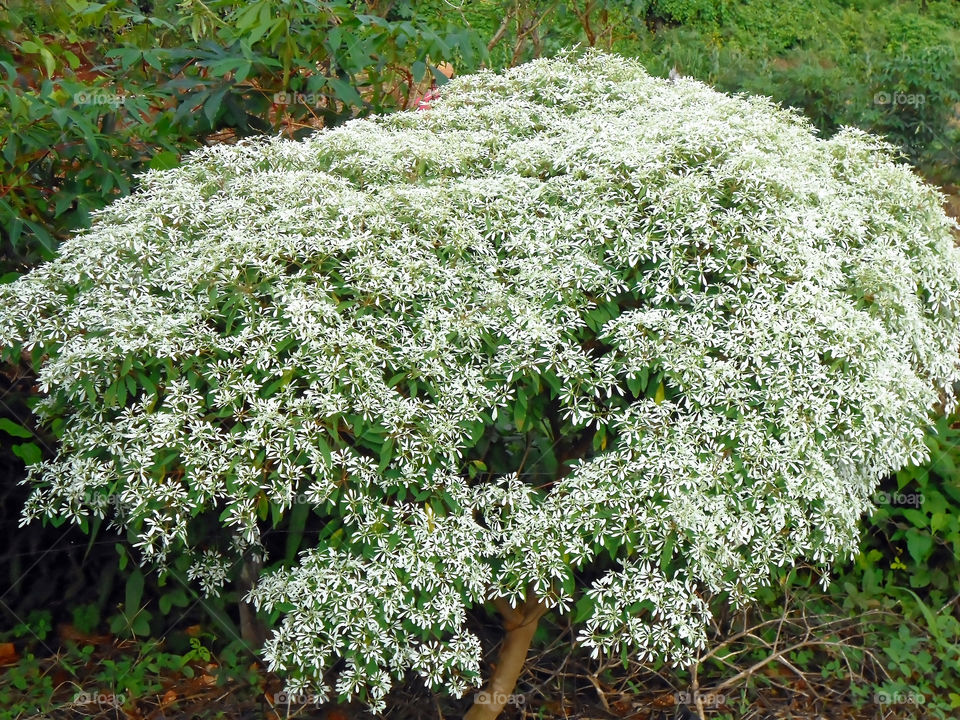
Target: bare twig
{"x":502,"y":30}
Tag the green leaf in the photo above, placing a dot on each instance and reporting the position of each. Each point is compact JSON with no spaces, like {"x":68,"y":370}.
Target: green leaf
{"x":298,"y":521}
{"x":919,"y":544}
{"x":660,"y":395}
{"x":386,"y":454}
{"x":141,"y":623}
{"x":122,"y":552}
{"x":553,"y":382}
{"x":133,"y":592}
{"x":15,"y":429}
{"x":174,"y":598}
{"x":49,"y":63}
{"x":164,"y":160}
{"x":30,"y":453}
{"x":419,"y":68}
{"x":583,"y":609}
{"x":666,"y":555}
{"x":520,"y":410}
{"x":917,"y":518}
{"x":211,"y":106}
{"x":346,"y":93}
{"x":600,"y":439}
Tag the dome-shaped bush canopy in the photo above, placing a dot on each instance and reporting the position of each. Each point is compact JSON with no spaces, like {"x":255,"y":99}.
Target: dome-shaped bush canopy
{"x":574,"y":336}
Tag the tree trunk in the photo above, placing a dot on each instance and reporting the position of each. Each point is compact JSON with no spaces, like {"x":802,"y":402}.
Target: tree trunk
{"x":519,"y":625}
{"x":252,"y":630}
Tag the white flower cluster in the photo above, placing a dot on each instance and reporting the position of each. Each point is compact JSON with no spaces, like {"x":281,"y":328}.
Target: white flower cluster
{"x":342,"y":318}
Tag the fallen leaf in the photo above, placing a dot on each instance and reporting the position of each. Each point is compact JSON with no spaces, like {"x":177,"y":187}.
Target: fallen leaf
{"x":662,"y":701}
{"x":67,"y":631}
{"x":8,"y":654}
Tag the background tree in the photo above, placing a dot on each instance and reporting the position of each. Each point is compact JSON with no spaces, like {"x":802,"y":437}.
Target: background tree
{"x":573,"y":340}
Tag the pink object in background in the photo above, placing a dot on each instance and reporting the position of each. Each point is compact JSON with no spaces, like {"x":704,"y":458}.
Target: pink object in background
{"x":423,"y":103}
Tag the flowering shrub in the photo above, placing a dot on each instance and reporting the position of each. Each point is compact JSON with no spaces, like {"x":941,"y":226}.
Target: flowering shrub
{"x":572,"y":339}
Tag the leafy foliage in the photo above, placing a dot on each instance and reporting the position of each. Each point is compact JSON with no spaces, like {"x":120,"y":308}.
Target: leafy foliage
{"x":888,"y":68}
{"x":91,"y":674}
{"x":94,"y":93}
{"x":909,"y":563}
